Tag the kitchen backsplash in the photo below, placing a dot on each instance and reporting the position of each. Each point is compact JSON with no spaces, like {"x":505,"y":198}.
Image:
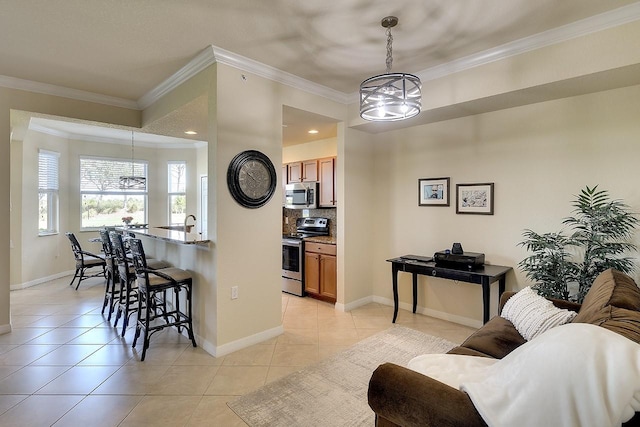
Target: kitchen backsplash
{"x":293,"y":214}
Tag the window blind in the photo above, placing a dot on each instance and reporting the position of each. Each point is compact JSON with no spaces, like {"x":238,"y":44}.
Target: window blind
{"x":48,"y":164}
{"x":103,"y":175}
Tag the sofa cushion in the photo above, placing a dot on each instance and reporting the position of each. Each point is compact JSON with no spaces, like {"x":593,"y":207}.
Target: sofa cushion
{"x":497,"y":338}
{"x":611,"y":287}
{"x":532,"y":314}
{"x":620,"y":320}
{"x":613,"y":302}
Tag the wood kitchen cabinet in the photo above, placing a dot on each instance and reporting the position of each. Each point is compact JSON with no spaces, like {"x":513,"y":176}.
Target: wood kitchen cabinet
{"x":320,"y":271}
{"x":306,"y":171}
{"x":327,"y":172}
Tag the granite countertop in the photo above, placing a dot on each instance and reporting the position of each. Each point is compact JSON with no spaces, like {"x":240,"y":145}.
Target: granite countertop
{"x":172,"y":236}
{"x":331,"y":240}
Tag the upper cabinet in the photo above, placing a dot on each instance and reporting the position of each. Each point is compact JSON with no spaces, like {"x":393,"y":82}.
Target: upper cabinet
{"x":327,"y":172}
{"x":306,"y":171}
{"x":322,"y":170}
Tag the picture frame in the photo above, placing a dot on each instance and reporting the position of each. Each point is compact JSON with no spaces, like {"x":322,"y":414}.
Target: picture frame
{"x":476,"y":199}
{"x":433,"y":192}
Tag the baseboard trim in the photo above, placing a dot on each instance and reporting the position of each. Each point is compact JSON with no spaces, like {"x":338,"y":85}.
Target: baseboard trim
{"x":40,"y":280}
{"x":355,"y":304}
{"x":461,"y":320}
{"x":5,"y":329}
{"x":223,"y":350}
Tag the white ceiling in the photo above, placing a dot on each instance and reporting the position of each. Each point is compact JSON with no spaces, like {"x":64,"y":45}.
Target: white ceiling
{"x":124,"y":49}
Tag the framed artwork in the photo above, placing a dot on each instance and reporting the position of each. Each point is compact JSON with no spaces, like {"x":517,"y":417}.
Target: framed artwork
{"x":474,"y":199}
{"x":433,"y":192}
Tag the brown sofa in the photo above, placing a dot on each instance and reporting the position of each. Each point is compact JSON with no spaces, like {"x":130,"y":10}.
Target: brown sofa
{"x":402,"y":397}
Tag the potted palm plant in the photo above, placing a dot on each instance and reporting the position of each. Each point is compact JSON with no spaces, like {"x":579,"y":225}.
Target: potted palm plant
{"x":598,"y":239}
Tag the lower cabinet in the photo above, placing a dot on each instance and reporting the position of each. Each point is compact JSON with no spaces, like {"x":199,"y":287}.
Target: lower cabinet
{"x":320,"y":271}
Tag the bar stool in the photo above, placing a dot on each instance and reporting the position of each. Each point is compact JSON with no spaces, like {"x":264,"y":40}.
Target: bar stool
{"x":127,"y":297}
{"x":111,"y":292}
{"x":151,"y":283}
{"x":127,"y":294}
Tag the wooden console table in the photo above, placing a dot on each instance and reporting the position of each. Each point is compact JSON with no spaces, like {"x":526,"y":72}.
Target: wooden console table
{"x":484,"y":276}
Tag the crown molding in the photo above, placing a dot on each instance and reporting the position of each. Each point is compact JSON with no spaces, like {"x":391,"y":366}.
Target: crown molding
{"x":213,"y":54}
{"x":65,"y":92}
{"x":271,"y":73}
{"x":201,"y":61}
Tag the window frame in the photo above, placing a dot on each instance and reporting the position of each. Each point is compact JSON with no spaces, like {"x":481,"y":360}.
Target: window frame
{"x":171,"y":194}
{"x":52,"y":193}
{"x":120,"y":192}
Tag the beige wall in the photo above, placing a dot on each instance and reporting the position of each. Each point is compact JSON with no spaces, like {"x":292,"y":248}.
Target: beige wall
{"x":539,"y":156}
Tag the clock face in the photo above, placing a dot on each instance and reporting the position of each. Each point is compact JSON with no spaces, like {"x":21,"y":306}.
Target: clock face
{"x":251,"y":178}
{"x":254,"y":179}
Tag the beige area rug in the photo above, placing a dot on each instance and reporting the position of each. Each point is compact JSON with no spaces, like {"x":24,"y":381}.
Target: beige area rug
{"x":334,"y":392}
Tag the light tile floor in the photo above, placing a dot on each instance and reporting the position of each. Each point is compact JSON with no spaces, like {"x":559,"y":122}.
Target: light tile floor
{"x":65,"y":365}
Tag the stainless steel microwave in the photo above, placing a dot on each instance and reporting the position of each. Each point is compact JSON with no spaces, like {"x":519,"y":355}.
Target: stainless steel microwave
{"x":301,"y":195}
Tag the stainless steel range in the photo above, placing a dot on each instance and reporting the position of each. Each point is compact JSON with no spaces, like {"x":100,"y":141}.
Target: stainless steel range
{"x":293,"y":252}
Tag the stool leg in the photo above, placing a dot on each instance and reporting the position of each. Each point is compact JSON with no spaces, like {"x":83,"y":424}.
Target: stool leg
{"x":126,"y":313}
{"x":138,"y":326}
{"x":190,"y":327}
{"x":106,"y":296}
{"x":147,"y":310}
{"x":119,"y":311}
{"x":176,"y":292}
{"x":113,"y":297}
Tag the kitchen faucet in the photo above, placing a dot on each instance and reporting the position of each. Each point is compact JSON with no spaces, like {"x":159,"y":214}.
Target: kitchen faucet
{"x":185,"y":221}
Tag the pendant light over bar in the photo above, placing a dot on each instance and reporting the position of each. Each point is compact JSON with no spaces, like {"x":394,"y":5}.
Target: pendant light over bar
{"x":390,"y":96}
{"x":133,"y":182}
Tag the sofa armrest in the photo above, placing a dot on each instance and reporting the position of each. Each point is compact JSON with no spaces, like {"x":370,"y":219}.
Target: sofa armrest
{"x":408,"y":398}
{"x":560,"y":303}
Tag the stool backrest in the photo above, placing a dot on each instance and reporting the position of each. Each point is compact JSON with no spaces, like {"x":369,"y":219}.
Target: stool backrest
{"x":139,"y":262}
{"x":107,"y":248}
{"x":120,"y":255}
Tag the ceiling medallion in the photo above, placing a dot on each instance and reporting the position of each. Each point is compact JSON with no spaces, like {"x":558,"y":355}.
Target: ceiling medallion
{"x":390,"y":96}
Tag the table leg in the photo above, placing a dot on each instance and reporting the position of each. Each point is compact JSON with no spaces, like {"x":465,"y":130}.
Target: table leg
{"x":394,"y":273}
{"x":415,"y":291}
{"x":501,"y":285}
{"x":486,"y":296}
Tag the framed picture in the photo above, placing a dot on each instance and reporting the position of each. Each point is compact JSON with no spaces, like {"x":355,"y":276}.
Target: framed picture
{"x":474,"y":199}
{"x":433,"y":192}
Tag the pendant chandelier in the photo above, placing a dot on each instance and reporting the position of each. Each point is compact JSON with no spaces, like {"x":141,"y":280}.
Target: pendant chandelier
{"x":132,"y":182}
{"x":390,"y":96}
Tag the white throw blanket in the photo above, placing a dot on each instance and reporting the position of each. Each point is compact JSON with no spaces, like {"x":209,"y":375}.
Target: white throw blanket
{"x":572,"y":375}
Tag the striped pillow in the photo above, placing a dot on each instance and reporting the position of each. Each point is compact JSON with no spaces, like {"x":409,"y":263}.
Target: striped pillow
{"x":532,"y":314}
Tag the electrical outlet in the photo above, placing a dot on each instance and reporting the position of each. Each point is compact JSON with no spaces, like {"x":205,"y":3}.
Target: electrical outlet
{"x":234,"y":292}
{"x":286,"y":220}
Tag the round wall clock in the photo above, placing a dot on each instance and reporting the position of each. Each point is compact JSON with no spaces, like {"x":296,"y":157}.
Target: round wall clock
{"x":251,"y":178}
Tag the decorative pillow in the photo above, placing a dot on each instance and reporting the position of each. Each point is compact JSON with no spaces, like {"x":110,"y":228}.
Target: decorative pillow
{"x":532,"y":314}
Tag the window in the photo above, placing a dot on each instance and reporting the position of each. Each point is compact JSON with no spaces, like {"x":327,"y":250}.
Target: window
{"x":104,"y":203}
{"x":177,"y":172}
{"x":48,"y":165}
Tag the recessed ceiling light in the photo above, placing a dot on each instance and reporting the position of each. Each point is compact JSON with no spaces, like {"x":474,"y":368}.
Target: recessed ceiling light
{"x":191,"y":132}
{"x":314,"y":131}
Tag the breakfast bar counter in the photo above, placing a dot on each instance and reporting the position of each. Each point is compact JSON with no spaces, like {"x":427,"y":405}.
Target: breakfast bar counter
{"x":169,"y":235}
